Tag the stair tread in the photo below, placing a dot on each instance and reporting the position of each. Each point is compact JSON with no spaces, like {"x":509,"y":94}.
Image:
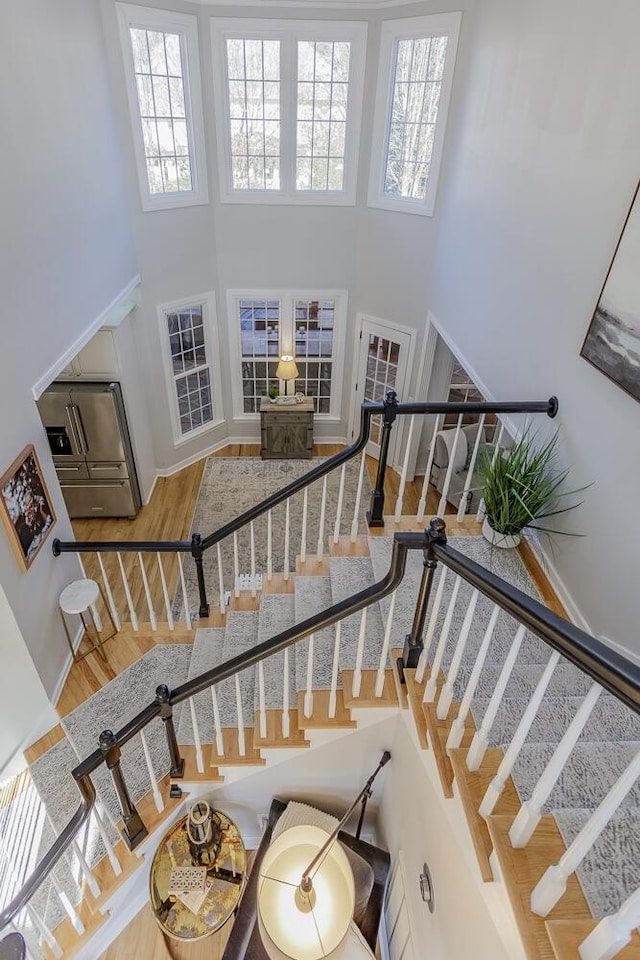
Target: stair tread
{"x":313,"y":595}
{"x":206,"y":654}
{"x":276,"y":614}
{"x":241,"y":631}
{"x":348,"y":576}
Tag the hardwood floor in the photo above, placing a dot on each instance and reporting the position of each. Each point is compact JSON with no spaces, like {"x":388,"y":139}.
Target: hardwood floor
{"x":143,"y":938}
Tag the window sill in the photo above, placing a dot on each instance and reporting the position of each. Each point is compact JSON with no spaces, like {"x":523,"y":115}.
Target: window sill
{"x":198,"y":432}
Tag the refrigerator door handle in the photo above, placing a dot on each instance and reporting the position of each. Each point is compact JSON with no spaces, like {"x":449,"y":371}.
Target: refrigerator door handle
{"x":72,"y":430}
{"x":80,"y":431}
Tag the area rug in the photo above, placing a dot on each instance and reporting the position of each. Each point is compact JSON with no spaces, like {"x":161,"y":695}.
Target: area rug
{"x":231,"y":485}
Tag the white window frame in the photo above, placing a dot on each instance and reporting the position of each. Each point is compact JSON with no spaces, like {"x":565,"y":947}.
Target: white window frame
{"x":445,"y":24}
{"x":212,"y":350}
{"x":287,"y":300}
{"x":167,"y":21}
{"x":289,"y":32}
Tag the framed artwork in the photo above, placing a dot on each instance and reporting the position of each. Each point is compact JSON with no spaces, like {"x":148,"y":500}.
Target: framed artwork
{"x":612,"y":343}
{"x":25,"y":507}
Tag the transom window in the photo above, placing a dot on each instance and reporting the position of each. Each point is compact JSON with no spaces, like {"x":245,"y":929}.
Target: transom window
{"x":414,"y":84}
{"x":290,"y":95}
{"x":161,"y":61}
{"x":272,"y":324}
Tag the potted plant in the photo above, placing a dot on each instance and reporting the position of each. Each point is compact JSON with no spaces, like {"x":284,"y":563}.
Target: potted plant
{"x":522,"y":488}
{"x":273,"y":393}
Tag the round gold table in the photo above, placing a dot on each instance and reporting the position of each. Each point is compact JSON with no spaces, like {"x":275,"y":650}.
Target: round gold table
{"x":226,"y":881}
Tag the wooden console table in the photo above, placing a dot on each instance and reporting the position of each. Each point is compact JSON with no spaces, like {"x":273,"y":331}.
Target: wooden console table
{"x":286,"y":430}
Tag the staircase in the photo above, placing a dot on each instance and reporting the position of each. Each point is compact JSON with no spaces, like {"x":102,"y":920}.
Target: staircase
{"x":542,"y":758}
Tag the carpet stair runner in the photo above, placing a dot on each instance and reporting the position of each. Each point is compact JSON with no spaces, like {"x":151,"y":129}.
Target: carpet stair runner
{"x":611,"y":737}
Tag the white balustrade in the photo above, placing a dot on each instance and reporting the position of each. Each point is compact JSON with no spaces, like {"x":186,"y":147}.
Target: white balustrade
{"x":216,"y":723}
{"x":480,"y":741}
{"x":285,"y":696}
{"x":241,"y":738}
{"x":496,"y":453}
{"x":336,"y":528}
{"x":385,"y":646}
{"x":308,"y":696}
{"x":287,"y":534}
{"x":462,"y":506}
{"x":157,"y":796}
{"x":102,"y":830}
{"x":165,"y":593}
{"x":222,"y":597}
{"x":323,"y":510}
{"x":356,"y":508}
{"x":127,"y":592}
{"x":252,"y":553}
{"x":196,"y":736}
{"x":236,"y":566}
{"x":530,"y":812}
{"x":333,"y":693}
{"x":185,"y":597}
{"x":497,"y":785}
{"x":446,"y":694}
{"x":147,"y":593}
{"x":422,"y":505}
{"x":269,"y":545}
{"x":357,"y":672}
{"x":442,"y":506}
{"x":431,"y":626}
{"x":67,"y":906}
{"x":44,"y":931}
{"x":457,"y":727}
{"x":553,"y":883}
{"x":405,"y":469}
{"x":432,"y":683}
{"x":85,"y":869}
{"x":262,"y":701}
{"x":613,"y":933}
{"x":109,"y":593}
{"x":303,"y":535}
{"x":95,"y":613}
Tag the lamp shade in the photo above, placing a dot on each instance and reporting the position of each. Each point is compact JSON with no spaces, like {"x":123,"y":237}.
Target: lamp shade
{"x":297,"y":925}
{"x":286,"y":369}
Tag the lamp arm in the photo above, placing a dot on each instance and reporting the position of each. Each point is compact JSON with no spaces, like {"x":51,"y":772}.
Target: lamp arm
{"x":305,"y":883}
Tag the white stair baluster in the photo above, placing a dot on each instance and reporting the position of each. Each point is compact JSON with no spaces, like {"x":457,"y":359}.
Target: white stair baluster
{"x":497,"y":785}
{"x":269,"y":546}
{"x":336,"y":528}
{"x":356,"y":508}
{"x":252,"y":538}
{"x":262,"y":698}
{"x":147,"y":593}
{"x":95,"y":613}
{"x":469,"y":478}
{"x":480,"y":741}
{"x":405,"y":468}
{"x":127,"y":593}
{"x":285,"y":696}
{"x":196,"y":736}
{"x":92,"y":883}
{"x":308,"y":696}
{"x":323,"y":510}
{"x":303,"y":536}
{"x":385,"y":646}
{"x":457,"y":727}
{"x":287,"y":530}
{"x":157,"y":796}
{"x":165,"y":593}
{"x":496,"y":453}
{"x":107,"y":588}
{"x":216,"y":722}
{"x":241,"y":738}
{"x":553,"y":883}
{"x":44,"y":931}
{"x":442,"y":506}
{"x":334,"y":672}
{"x":222,"y":600}
{"x":102,"y":830}
{"x":428,"y":637}
{"x":236,"y":567}
{"x":357,"y":673}
{"x":612,"y":933}
{"x":432,"y":683}
{"x":446,"y":694}
{"x":530,"y":812}
{"x":68,"y":907}
{"x":185,"y":598}
{"x":422,"y":505}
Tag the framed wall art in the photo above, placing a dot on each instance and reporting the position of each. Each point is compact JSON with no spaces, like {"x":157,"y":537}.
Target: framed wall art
{"x":25,"y":507}
{"x":612,"y":343}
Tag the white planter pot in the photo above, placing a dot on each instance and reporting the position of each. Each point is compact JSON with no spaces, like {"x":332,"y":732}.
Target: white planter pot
{"x":496,"y":539}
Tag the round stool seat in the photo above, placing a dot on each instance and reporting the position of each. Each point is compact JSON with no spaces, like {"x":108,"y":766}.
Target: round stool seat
{"x":79,"y":595}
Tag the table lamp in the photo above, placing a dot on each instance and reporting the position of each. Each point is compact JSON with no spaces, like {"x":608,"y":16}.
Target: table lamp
{"x":287,"y":370}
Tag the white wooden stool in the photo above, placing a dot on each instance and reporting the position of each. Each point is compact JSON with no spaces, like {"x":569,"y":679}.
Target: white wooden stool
{"x":79,"y":598}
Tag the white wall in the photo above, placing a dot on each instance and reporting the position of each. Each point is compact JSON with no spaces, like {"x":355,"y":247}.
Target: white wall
{"x":65,"y":253}
{"x":543,"y":168}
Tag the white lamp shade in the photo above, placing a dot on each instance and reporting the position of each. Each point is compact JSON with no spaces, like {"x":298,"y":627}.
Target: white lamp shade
{"x":287,"y":930}
{"x":286,"y":369}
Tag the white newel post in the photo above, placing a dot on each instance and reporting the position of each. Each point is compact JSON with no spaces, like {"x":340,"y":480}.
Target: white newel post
{"x":612,"y":933}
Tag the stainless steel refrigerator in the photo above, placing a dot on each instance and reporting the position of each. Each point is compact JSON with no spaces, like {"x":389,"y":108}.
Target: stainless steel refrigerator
{"x":87,"y":431}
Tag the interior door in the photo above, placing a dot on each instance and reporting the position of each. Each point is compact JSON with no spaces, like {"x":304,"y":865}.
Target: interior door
{"x":383,"y":364}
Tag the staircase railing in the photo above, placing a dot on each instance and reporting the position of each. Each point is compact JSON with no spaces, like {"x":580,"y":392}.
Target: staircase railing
{"x":389,"y":410}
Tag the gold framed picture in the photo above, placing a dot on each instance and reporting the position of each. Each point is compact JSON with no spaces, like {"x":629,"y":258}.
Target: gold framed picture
{"x":25,"y":507}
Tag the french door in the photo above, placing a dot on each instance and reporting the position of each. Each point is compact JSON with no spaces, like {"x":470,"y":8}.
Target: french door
{"x":384,"y":359}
